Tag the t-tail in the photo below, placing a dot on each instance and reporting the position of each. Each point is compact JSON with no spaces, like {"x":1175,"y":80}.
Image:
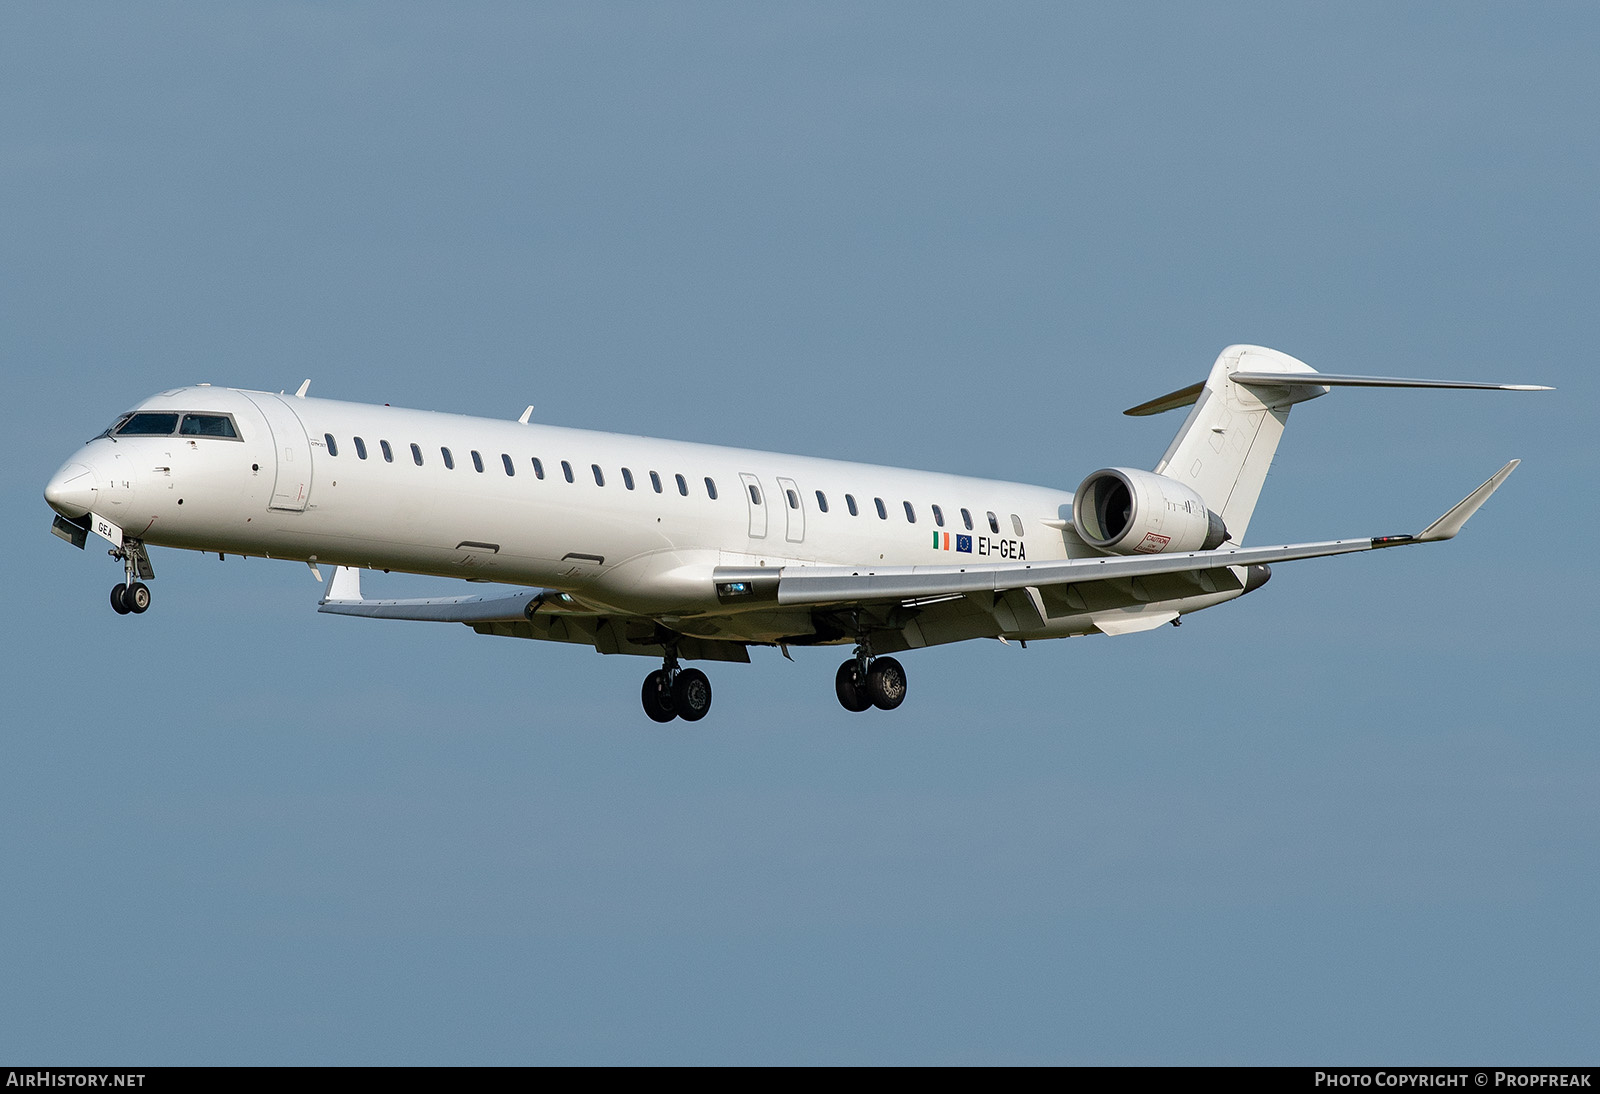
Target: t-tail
{"x":1225,"y":448}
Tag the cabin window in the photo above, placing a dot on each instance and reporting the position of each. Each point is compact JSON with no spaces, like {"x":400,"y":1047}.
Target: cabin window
{"x":208,"y":425}
{"x":822,"y":502}
{"x":755,"y":494}
{"x":505,"y":461}
{"x":149,"y":425}
{"x":333,"y":446}
{"x":683,"y":485}
{"x":388,"y":453}
{"x":1016,"y":523}
{"x":966,"y":518}
{"x":883,"y":512}
{"x":911,"y":514}
{"x":538,"y":468}
{"x":627,"y":478}
{"x":599,"y":476}
{"x":416,"y":455}
{"x":794,"y":499}
{"x":566,"y":470}
{"x":449,"y":460}
{"x":655,"y":481}
{"x":994,"y":525}
{"x":850,"y":504}
{"x":477,"y":461}
{"x":361,"y":447}
{"x":938,"y":516}
{"x":711,"y":489}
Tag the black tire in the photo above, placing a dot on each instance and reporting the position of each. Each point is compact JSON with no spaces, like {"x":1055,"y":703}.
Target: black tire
{"x":137,"y":598}
{"x":886,"y":683}
{"x":851,"y":688}
{"x":657,"y":697}
{"x":118,"y":604}
{"x":691,"y":695}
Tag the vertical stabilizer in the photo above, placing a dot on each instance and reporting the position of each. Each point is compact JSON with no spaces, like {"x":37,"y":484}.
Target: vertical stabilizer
{"x":1226,"y":445}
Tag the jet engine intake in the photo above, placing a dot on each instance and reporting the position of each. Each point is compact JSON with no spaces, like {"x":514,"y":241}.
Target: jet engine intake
{"x":1131,"y":512}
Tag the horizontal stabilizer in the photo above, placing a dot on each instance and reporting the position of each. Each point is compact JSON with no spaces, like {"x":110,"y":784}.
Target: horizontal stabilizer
{"x":1332,"y":379}
{"x":1190,"y":395}
{"x":1176,"y":399}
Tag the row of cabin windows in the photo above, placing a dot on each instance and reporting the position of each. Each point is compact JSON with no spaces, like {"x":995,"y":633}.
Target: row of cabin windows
{"x":682,"y":484}
{"x":883,"y":510}
{"x":511,"y":468}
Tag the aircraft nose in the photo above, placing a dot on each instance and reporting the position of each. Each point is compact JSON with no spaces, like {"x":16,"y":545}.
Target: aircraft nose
{"x":72,"y":490}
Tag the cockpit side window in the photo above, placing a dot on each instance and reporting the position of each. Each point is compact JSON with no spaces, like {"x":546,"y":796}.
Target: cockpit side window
{"x":148,"y":425}
{"x":208,"y":425}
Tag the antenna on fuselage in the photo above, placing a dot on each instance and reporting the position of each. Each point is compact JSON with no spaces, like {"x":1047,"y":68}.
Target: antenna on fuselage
{"x":526,"y":414}
{"x":301,"y":394}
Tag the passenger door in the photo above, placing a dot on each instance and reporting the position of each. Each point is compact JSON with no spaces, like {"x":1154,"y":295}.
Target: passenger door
{"x":794,"y":509}
{"x":755,"y":499}
{"x":292,"y":449}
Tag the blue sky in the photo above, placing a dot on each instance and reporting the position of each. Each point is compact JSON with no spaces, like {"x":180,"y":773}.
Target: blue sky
{"x":1350,"y":818}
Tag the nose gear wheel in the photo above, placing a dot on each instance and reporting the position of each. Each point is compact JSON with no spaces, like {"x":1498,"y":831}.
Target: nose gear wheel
{"x":132,"y":595}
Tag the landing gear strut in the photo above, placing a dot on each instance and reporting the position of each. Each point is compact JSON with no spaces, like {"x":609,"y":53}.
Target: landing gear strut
{"x":866,"y":681}
{"x":671,"y":692}
{"x":131,"y":595}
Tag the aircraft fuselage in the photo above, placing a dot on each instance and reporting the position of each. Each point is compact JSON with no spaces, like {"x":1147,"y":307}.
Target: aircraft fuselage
{"x":629,"y":523}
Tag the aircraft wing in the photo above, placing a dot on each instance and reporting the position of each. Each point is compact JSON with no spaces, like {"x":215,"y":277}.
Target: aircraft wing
{"x":820,"y":585}
{"x":545,"y":614}
{"x":945,"y":598}
{"x":344,"y":598}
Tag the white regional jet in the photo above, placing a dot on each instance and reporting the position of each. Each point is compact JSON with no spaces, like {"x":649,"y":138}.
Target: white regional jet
{"x":689,"y":551}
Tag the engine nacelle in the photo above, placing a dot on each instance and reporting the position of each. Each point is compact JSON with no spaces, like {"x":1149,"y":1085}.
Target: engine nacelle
{"x":1141,"y":513}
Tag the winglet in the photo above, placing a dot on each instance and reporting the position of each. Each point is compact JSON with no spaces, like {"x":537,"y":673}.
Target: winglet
{"x":1449,"y":524}
{"x":346,"y":584}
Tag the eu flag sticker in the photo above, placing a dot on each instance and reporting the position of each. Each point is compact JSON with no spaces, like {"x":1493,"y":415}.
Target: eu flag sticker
{"x":964,"y":543}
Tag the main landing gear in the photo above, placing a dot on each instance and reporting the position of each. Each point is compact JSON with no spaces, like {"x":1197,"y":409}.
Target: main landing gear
{"x":131,"y":595}
{"x":671,"y":692}
{"x":866,"y":681}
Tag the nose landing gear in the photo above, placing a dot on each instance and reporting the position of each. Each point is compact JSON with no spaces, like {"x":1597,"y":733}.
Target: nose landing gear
{"x":133,"y":598}
{"x":671,"y":692}
{"x":131,"y":594}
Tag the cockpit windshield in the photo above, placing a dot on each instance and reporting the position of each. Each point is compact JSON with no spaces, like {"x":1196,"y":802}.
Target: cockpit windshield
{"x":207,"y":425}
{"x":149,"y":425}
{"x":165,"y":424}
